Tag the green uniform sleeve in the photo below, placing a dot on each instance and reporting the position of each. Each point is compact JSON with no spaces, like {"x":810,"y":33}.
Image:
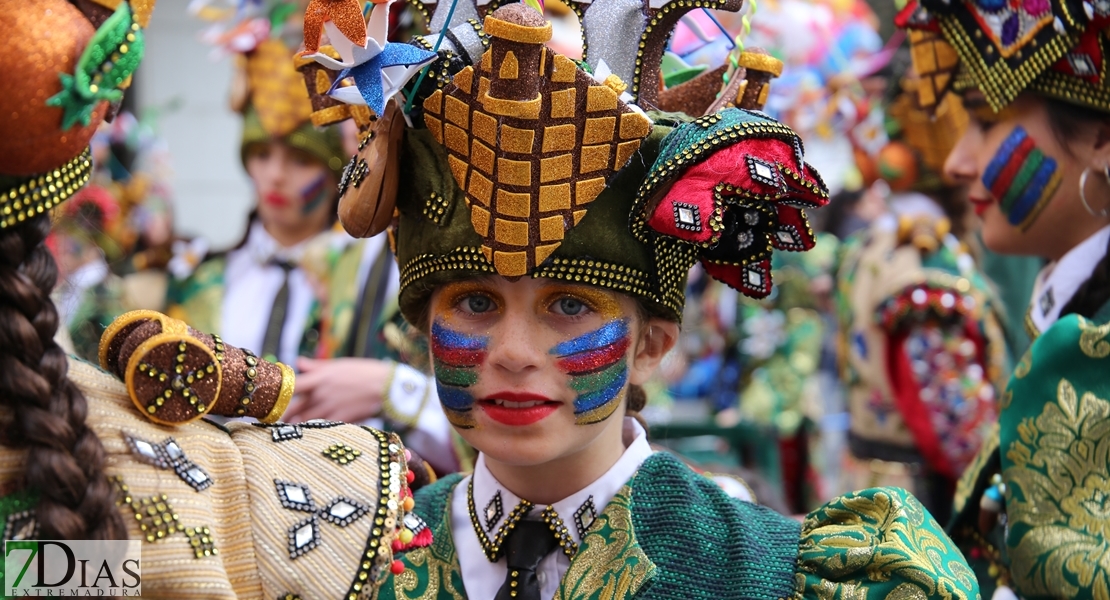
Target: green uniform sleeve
{"x":878,"y":544}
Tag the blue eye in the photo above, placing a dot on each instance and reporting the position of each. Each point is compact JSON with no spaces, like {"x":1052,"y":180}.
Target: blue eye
{"x":478,"y":304}
{"x":570,"y":306}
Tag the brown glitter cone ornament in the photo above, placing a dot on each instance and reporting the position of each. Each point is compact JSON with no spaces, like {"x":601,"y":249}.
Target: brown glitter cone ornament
{"x":175,"y":374}
{"x":368,"y":187}
{"x":531,"y":138}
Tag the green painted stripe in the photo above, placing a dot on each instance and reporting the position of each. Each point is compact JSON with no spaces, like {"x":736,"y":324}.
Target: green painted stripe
{"x":1022,"y":179}
{"x":458,"y":377}
{"x":584,"y":384}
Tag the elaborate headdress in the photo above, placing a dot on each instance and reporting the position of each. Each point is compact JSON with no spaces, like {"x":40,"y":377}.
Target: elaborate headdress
{"x":1052,"y":47}
{"x":61,"y":84}
{"x":528,"y":164}
{"x":267,"y":89}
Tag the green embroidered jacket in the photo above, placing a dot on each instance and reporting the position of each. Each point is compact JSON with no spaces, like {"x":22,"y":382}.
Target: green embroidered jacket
{"x":673,"y":534}
{"x":1052,"y":449}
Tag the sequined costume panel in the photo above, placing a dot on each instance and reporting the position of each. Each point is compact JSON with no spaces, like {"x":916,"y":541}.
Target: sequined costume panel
{"x":242,"y":512}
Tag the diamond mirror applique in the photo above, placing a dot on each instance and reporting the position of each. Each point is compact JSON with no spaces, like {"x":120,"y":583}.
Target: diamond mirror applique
{"x":584,"y":517}
{"x":294,"y":496}
{"x":494,"y":511}
{"x":343,"y":511}
{"x":170,"y":455}
{"x":304,"y":536}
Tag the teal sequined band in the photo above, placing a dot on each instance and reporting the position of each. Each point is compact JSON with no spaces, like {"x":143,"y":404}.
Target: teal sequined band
{"x":40,"y":193}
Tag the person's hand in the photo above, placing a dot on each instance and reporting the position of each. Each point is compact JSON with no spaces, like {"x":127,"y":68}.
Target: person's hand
{"x":340,"y":389}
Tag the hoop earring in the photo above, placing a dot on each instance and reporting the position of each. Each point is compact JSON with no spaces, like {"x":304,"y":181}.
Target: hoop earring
{"x":1083,"y":193}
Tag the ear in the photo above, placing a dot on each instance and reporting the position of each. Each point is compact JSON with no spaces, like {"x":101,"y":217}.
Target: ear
{"x":1100,"y":156}
{"x":657,"y":338}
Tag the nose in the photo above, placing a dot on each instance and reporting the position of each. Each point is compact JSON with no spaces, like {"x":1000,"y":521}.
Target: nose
{"x":515,"y":344}
{"x":962,"y":165}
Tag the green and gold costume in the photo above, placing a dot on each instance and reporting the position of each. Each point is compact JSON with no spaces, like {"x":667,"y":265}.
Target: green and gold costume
{"x":670,"y":533}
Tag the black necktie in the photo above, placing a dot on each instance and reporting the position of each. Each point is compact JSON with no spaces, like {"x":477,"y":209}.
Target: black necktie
{"x":271,"y":344}
{"x":363,"y":339}
{"x":526,"y":546}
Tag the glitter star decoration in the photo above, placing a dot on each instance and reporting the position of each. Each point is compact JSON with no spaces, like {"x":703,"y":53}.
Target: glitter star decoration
{"x":379,"y":68}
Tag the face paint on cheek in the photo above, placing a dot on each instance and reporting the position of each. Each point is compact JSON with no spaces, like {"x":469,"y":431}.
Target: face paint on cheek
{"x":1022,"y":178}
{"x":598,"y":370}
{"x":314,"y":194}
{"x":456,"y":357}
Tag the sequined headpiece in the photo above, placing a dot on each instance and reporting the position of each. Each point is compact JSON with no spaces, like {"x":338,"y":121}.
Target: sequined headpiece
{"x":525,"y":163}
{"x":267,"y":90}
{"x":1055,"y":48}
{"x":65,"y":71}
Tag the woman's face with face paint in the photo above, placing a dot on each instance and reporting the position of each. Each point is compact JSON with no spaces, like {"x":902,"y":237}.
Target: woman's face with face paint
{"x":293,"y":187}
{"x":1022,"y":182}
{"x":535,"y":370}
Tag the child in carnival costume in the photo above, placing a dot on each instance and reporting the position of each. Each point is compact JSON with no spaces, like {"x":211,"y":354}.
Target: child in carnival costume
{"x":296,"y":288}
{"x":1030,"y":507}
{"x":545,"y":225}
{"x":121,"y":452}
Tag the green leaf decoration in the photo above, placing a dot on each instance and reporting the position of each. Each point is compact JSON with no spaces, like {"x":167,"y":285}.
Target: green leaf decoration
{"x":108,"y":61}
{"x":280,"y":13}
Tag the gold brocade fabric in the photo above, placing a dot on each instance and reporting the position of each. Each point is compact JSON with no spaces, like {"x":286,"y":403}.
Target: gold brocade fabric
{"x":223,"y":511}
{"x":879,"y":543}
{"x":1055,"y":444}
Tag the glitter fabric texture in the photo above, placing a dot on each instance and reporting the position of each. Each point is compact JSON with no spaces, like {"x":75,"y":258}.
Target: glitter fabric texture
{"x":598,"y":369}
{"x":55,"y":34}
{"x":456,"y":357}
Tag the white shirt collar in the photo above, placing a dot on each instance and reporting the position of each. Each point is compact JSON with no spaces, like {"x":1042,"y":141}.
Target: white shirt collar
{"x":263,"y":248}
{"x":481,"y":578}
{"x":1058,"y":282}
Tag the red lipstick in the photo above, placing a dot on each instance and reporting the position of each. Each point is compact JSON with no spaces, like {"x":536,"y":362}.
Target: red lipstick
{"x":275,"y":199}
{"x":980,"y":204}
{"x":518,"y":408}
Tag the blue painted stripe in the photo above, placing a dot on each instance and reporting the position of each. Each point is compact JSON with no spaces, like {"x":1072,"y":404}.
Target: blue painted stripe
{"x":454,"y":398}
{"x":1034,"y":193}
{"x":456,"y":339}
{"x":607,"y":334}
{"x":1002,"y":157}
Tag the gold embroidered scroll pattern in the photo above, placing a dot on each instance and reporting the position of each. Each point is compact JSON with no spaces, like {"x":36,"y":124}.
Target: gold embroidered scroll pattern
{"x":1058,"y":498}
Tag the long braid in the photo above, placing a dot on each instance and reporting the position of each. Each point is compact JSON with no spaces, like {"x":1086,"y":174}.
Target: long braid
{"x":65,"y":461}
{"x":1094,"y":293}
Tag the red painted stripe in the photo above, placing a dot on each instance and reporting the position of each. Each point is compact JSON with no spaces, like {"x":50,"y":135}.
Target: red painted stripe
{"x":594,"y":360}
{"x":1013,"y":166}
{"x":458,"y":357}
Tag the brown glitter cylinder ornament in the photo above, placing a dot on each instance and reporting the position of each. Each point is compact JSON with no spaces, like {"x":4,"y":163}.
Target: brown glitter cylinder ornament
{"x":368,"y":187}
{"x":175,"y":374}
{"x":55,"y":35}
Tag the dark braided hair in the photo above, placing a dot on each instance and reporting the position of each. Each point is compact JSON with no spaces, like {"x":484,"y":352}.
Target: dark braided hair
{"x":1068,"y":121}
{"x":46,"y":412}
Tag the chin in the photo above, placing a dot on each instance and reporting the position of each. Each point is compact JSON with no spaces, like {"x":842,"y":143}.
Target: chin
{"x":1002,"y":237}
{"x":520,"y":449}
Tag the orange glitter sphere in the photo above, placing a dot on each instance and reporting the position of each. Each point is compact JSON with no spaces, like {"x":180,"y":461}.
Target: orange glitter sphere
{"x":897,"y":164}
{"x":44,"y":38}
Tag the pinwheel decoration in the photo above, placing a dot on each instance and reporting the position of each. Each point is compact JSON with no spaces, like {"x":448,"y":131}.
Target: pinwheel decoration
{"x":379,"y":68}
